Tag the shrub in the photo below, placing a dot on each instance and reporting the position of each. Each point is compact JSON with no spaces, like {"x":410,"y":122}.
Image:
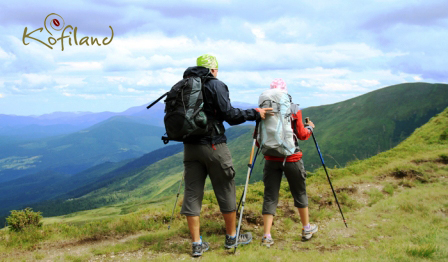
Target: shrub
{"x":20,"y":219}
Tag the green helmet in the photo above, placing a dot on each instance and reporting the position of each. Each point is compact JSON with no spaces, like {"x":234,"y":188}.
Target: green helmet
{"x":207,"y":61}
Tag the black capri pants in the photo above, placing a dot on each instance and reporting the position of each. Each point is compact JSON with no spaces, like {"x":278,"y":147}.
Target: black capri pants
{"x":203,"y":160}
{"x":272,"y":176}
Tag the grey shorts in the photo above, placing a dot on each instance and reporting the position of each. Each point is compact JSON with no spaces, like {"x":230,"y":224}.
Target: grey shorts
{"x":203,"y":160}
{"x":272,"y":177}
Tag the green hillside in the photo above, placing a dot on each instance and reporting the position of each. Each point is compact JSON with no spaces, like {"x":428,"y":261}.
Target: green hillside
{"x":39,"y":170}
{"x":143,"y":178}
{"x":372,"y":123}
{"x":353,"y":129}
{"x":98,"y":177}
{"x":395,"y":203}
{"x":113,"y":140}
{"x":45,"y":185}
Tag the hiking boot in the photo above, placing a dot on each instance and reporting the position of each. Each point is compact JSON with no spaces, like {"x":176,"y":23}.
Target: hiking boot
{"x":267,"y":241}
{"x":198,"y":249}
{"x":308,"y":234}
{"x":243,"y":239}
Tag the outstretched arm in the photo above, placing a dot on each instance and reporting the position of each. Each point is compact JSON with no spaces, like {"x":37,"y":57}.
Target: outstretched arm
{"x":231,"y":115}
{"x":302,"y":132}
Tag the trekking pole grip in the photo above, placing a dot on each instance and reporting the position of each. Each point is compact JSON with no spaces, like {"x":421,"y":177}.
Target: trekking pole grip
{"x":251,"y":155}
{"x":253,"y":146}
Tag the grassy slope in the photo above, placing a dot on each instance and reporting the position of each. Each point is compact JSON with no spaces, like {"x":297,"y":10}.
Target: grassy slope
{"x":342,"y":137}
{"x":359,"y":127}
{"x":396,"y":205}
{"x":372,"y":123}
{"x":139,"y":179}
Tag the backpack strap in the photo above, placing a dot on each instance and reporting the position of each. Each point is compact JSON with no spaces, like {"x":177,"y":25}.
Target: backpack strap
{"x":212,"y":123}
{"x":294,"y":109}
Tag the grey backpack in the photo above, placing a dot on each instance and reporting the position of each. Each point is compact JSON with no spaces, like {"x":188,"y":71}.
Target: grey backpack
{"x":275,"y":133}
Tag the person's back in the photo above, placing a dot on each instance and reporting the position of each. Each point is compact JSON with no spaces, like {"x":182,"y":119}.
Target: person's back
{"x":290,"y":164}
{"x":208,"y":155}
{"x":217,"y":107}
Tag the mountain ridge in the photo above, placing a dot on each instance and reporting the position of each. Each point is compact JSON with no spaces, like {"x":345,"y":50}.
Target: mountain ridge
{"x":161,"y":178}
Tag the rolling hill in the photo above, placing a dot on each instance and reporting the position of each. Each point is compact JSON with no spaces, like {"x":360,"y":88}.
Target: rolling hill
{"x":113,"y":140}
{"x":347,"y":131}
{"x":364,"y":126}
{"x":395,"y":204}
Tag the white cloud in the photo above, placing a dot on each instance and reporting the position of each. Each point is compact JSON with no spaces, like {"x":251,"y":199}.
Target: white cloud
{"x":79,"y":66}
{"x":61,"y":86}
{"x":88,"y":96}
{"x":305,"y":83}
{"x":6,"y":56}
{"x":258,"y":33}
{"x":129,"y":90}
{"x":367,"y":82}
{"x":37,"y":79}
{"x":336,"y":49}
{"x":165,"y":77}
{"x":334,"y":87}
{"x":2,"y":96}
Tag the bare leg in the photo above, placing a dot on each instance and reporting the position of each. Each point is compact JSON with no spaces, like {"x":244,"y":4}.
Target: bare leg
{"x":193,"y":225}
{"x":267,"y":219}
{"x":304,"y":216}
{"x":230,"y":219}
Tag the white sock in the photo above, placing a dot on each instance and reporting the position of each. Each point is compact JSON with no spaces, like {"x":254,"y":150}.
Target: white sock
{"x":199,"y":242}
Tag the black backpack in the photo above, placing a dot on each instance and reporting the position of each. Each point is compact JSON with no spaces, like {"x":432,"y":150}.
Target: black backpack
{"x":184,"y":110}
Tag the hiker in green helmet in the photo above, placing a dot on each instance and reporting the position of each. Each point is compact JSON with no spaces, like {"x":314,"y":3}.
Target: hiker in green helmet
{"x":208,"y":155}
{"x":283,"y":157}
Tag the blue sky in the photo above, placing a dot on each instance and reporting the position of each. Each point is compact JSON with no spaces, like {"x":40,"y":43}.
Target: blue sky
{"x":326,"y":51}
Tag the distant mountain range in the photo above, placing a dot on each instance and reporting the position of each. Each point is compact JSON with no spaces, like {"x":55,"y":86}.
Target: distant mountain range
{"x":115,"y":139}
{"x":39,"y":161}
{"x":60,"y":123}
{"x":354,"y":129}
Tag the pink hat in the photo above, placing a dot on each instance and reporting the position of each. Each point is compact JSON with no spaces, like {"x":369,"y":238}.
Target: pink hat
{"x":279,"y":84}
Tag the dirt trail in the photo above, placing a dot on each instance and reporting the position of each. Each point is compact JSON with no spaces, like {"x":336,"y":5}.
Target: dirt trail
{"x":82,"y":250}
{"x":71,"y":250}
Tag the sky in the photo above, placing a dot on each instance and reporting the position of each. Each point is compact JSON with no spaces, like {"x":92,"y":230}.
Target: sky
{"x":326,"y":51}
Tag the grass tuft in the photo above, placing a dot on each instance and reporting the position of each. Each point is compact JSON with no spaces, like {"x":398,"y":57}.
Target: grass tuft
{"x":375,"y":195}
{"x":423,"y":251}
{"x":389,"y":189}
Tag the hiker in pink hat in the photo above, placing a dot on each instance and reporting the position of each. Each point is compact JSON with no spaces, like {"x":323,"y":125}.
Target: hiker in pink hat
{"x":279,"y":162}
{"x":278,"y":83}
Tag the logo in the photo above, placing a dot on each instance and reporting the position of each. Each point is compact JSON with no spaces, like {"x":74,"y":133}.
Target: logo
{"x":57,"y":23}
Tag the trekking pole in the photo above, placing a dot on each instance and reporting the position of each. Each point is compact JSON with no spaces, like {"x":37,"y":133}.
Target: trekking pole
{"x":326,"y":172}
{"x":243,"y":200}
{"x":251,"y":168}
{"x":158,"y":99}
{"x":177,"y":197}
